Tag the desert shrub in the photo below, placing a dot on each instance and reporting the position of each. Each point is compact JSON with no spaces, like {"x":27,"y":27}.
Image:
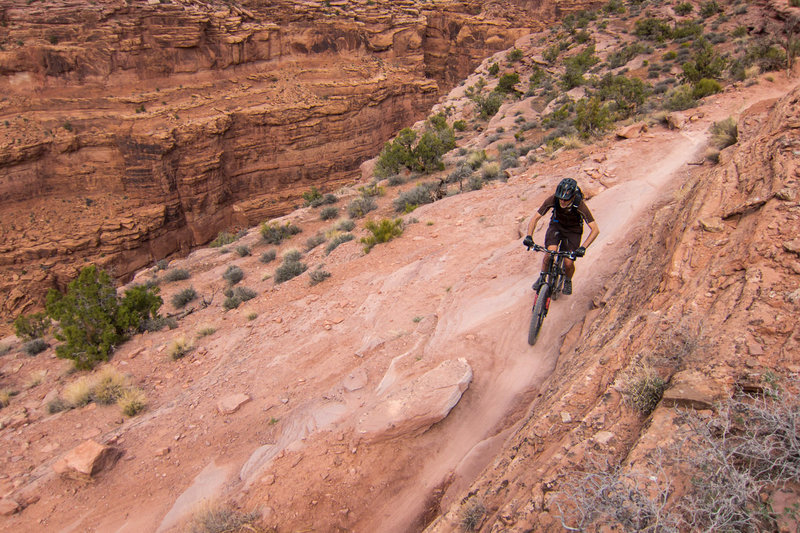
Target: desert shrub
{"x":329,"y":213}
{"x":397,"y":179}
{"x":643,"y":388}
{"x":705,"y":63}
{"x":490,"y":170}
{"x":33,"y":326}
{"x":670,"y":56}
{"x":458,"y":125}
{"x":223,"y":238}
{"x":291,"y":267}
{"x":244,"y":293}
{"x":243,"y":251}
{"x":622,"y":56}
{"x":179,"y":347}
{"x":161,"y":264}
{"x":132,"y":401}
{"x":709,"y":9}
{"x":653,"y":29}
{"x":514,"y":55}
{"x":108,"y":386}
{"x":312,"y":198}
{"x":205,"y":331}
{"x":158,"y":323}
{"x":592,"y":117}
{"x":360,"y":206}
{"x":683,"y":8}
{"x":475,"y":183}
{"x":625,"y":94}
{"x":383,"y":231}
{"x":507,"y":82}
{"x":176,"y":274}
{"x":705,"y":87}
{"x":437,"y":140}
{"x":551,"y":53}
{"x":268,"y":256}
{"x":314,"y":241}
{"x":576,"y":66}
{"x":318,"y":276}
{"x":768,"y":57}
{"x":92,"y":319}
{"x":231,"y":302}
{"x":494,"y":69}
{"x":292,"y":255}
{"x":409,"y":200}
{"x":724,"y":133}
{"x":679,"y":98}
{"x":274,"y":233}
{"x":329,"y":198}
{"x":488,"y":105}
{"x":233,"y":274}
{"x":472,"y":514}
{"x":687,"y":30}
{"x":397,"y":154}
{"x":215,"y":519}
{"x":345,"y":225}
{"x":35,"y":346}
{"x":180,"y":299}
{"x":56,"y":405}
{"x":475,"y":159}
{"x":373,"y":190}
{"x":337,"y":240}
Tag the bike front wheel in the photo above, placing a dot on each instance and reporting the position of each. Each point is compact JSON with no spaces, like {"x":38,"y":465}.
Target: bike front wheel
{"x":539,"y":312}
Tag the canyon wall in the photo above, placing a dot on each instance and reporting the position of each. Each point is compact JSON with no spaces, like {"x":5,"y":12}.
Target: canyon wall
{"x":133,"y":130}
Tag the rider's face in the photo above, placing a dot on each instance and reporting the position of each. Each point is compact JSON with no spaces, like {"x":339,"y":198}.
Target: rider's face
{"x":564,"y":203}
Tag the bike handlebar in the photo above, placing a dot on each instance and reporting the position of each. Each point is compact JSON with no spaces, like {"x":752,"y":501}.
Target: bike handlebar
{"x":555,"y":253}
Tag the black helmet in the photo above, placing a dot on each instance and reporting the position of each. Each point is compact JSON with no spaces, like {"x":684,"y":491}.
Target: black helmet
{"x":566,"y":189}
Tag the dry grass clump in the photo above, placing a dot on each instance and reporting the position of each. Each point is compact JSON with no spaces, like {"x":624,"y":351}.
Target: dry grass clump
{"x":132,"y":401}
{"x":108,"y":385}
{"x":472,"y":514}
{"x":724,"y":133}
{"x":36,"y":378}
{"x":179,"y":347}
{"x":79,"y":392}
{"x":206,"y":331}
{"x":643,"y":388}
{"x":5,"y":398}
{"x":212,"y":518}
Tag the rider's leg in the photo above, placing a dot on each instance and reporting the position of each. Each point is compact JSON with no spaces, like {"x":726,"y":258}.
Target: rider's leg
{"x":569,"y":267}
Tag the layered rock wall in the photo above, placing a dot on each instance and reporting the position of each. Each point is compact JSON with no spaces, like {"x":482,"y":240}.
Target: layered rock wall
{"x":133,"y":130}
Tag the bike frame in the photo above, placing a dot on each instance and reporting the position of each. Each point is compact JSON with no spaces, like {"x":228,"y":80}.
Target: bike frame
{"x":551,"y":288}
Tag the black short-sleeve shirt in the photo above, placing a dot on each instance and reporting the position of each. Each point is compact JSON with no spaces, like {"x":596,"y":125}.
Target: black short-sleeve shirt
{"x":571,"y":218}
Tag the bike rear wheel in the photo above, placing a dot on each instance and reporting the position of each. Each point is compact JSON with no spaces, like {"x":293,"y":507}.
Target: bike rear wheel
{"x":539,"y":312}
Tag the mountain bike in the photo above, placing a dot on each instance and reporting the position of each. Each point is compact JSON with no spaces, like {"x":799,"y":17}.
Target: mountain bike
{"x":549,"y":290}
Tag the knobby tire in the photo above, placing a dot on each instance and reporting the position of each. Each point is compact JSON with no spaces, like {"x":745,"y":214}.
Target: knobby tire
{"x":539,"y":311}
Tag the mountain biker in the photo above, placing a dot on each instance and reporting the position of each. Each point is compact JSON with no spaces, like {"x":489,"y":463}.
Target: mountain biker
{"x":566,"y":224}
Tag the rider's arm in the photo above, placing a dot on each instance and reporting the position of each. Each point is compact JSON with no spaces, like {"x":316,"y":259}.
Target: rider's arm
{"x":595,"y":231}
{"x":532,"y":224}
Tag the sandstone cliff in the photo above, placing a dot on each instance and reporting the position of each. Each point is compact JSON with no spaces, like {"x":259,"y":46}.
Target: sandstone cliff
{"x":131,"y":131}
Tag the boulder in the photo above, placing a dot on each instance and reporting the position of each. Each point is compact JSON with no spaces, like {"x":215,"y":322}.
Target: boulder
{"x":8,"y":507}
{"x":693,"y":389}
{"x":230,"y":404}
{"x":792,"y":246}
{"x":632,"y":131}
{"x":417,"y":405}
{"x":712,"y":224}
{"x":86,"y":460}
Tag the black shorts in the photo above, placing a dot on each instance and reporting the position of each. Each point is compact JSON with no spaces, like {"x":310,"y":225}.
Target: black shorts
{"x":556,"y":233}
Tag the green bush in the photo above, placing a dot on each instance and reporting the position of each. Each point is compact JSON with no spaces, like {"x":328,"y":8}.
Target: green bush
{"x":514,"y":55}
{"x":687,"y":30}
{"x":706,"y":87}
{"x":592,"y":117}
{"x":337,"y":240}
{"x":767,"y":56}
{"x":329,"y":213}
{"x":233,"y":274}
{"x":409,"y":200}
{"x":506,"y":83}
{"x":551,"y":53}
{"x":91,"y":318}
{"x":223,"y":238}
{"x":705,"y":63}
{"x":397,"y":154}
{"x":274,"y":233}
{"x":626,"y":94}
{"x":576,"y":66}
{"x":709,"y":9}
{"x":489,"y":105}
{"x":345,"y":225}
{"x":383,"y":231}
{"x":176,"y":274}
{"x":621,"y":57}
{"x":312,"y":197}
{"x":180,"y":299}
{"x":360,"y":206}
{"x":244,"y":293}
{"x":460,"y":125}
{"x":684,"y":8}
{"x":243,"y":251}
{"x":33,"y":326}
{"x":653,"y":29}
{"x":494,"y":69}
{"x":679,"y":98}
